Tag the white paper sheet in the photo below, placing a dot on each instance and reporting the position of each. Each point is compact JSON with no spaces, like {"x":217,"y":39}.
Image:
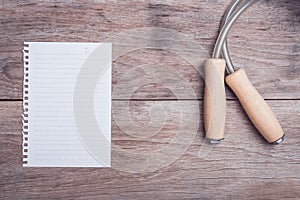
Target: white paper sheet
{"x":67,"y":104}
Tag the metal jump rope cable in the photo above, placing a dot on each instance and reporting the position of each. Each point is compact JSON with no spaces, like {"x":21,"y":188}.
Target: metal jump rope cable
{"x":214,"y":97}
{"x":225,"y":51}
{"x":229,"y":20}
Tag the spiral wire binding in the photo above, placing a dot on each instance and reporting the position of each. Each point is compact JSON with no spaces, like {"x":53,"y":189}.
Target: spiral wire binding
{"x":25,"y":104}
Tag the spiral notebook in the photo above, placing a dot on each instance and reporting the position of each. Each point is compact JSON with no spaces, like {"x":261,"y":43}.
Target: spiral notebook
{"x":67,"y":104}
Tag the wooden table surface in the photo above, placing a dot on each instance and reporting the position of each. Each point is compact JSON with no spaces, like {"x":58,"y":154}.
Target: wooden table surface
{"x":265,"y":42}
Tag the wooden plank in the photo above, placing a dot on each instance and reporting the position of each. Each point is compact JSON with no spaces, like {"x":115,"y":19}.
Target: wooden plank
{"x":265,"y":41}
{"x":11,"y":117}
{"x":243,"y":166}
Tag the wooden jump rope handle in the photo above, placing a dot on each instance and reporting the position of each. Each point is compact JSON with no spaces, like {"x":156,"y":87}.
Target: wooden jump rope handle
{"x":214,"y":99}
{"x":255,"y":106}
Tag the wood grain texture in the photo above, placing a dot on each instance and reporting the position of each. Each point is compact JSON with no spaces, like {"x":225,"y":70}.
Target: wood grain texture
{"x":238,"y":168}
{"x":265,"y":40}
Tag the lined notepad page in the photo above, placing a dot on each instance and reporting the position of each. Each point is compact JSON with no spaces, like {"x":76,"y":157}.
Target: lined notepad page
{"x":67,"y":104}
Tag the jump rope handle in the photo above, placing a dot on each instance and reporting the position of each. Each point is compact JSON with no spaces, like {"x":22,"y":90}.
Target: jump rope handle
{"x":214,"y":100}
{"x":255,"y":106}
